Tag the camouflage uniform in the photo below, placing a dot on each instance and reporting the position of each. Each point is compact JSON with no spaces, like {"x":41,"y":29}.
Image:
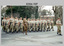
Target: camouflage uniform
{"x":30,"y":25}
{"x":52,"y":24}
{"x":7,"y":24}
{"x":58,"y":22}
{"x":3,"y":24}
{"x":33,"y":25}
{"x":43,"y":24}
{"x":21,"y":24}
{"x":12,"y":24}
{"x":48,"y":24}
{"x":16,"y":24}
{"x":25,"y":26}
{"x":36,"y":25}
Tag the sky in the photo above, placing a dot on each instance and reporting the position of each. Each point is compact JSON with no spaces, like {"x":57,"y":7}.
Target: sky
{"x":3,"y":6}
{"x":47,"y":7}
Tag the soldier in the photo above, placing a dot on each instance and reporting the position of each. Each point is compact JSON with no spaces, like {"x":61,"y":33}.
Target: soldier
{"x":7,"y":24}
{"x":58,"y":23}
{"x":28,"y":24}
{"x":31,"y":24}
{"x":21,"y":24}
{"x":16,"y":24}
{"x":44,"y":25}
{"x":41,"y":25}
{"x":48,"y":24}
{"x":3,"y":23}
{"x":38,"y":24}
{"x":52,"y":24}
{"x":12,"y":24}
{"x":34,"y":25}
{"x":25,"y":26}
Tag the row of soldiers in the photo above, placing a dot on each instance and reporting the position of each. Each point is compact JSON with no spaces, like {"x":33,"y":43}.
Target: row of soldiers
{"x":40,"y":24}
{"x":16,"y":24}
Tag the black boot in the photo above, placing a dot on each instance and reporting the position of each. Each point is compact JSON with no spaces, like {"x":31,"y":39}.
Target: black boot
{"x":60,"y":34}
{"x":57,"y":32}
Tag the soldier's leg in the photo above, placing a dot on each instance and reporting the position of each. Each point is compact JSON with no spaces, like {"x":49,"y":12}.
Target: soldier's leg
{"x":16,"y":28}
{"x":7,"y":30}
{"x":3,"y":28}
{"x":53,"y":27}
{"x":34,"y":28}
{"x":22,"y":28}
{"x":12,"y":29}
{"x":25,"y":32}
{"x":30,"y":28}
{"x":59,"y":30}
{"x":49,"y":27}
{"x":40,"y":27}
{"x":46,"y":27}
{"x":43,"y":27}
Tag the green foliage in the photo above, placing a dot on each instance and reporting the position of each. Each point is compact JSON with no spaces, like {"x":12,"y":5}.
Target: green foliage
{"x":58,"y":11}
{"x":45,"y":11}
{"x":24,"y":11}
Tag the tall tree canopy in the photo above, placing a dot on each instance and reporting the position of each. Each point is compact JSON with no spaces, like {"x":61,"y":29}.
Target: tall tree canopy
{"x":58,"y":11}
{"x":24,"y":11}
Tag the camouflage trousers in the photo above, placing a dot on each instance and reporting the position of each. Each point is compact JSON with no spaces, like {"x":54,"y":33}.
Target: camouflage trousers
{"x":40,"y":27}
{"x":16,"y":27}
{"x":36,"y":27}
{"x":7,"y":28}
{"x":21,"y":27}
{"x":48,"y":27}
{"x":3,"y":28}
{"x":52,"y":27}
{"x":11,"y":28}
{"x":58,"y":29}
{"x":44,"y":27}
{"x":33,"y":27}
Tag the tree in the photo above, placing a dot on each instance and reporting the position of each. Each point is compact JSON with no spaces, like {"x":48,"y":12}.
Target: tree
{"x":24,"y":11}
{"x":58,"y":11}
